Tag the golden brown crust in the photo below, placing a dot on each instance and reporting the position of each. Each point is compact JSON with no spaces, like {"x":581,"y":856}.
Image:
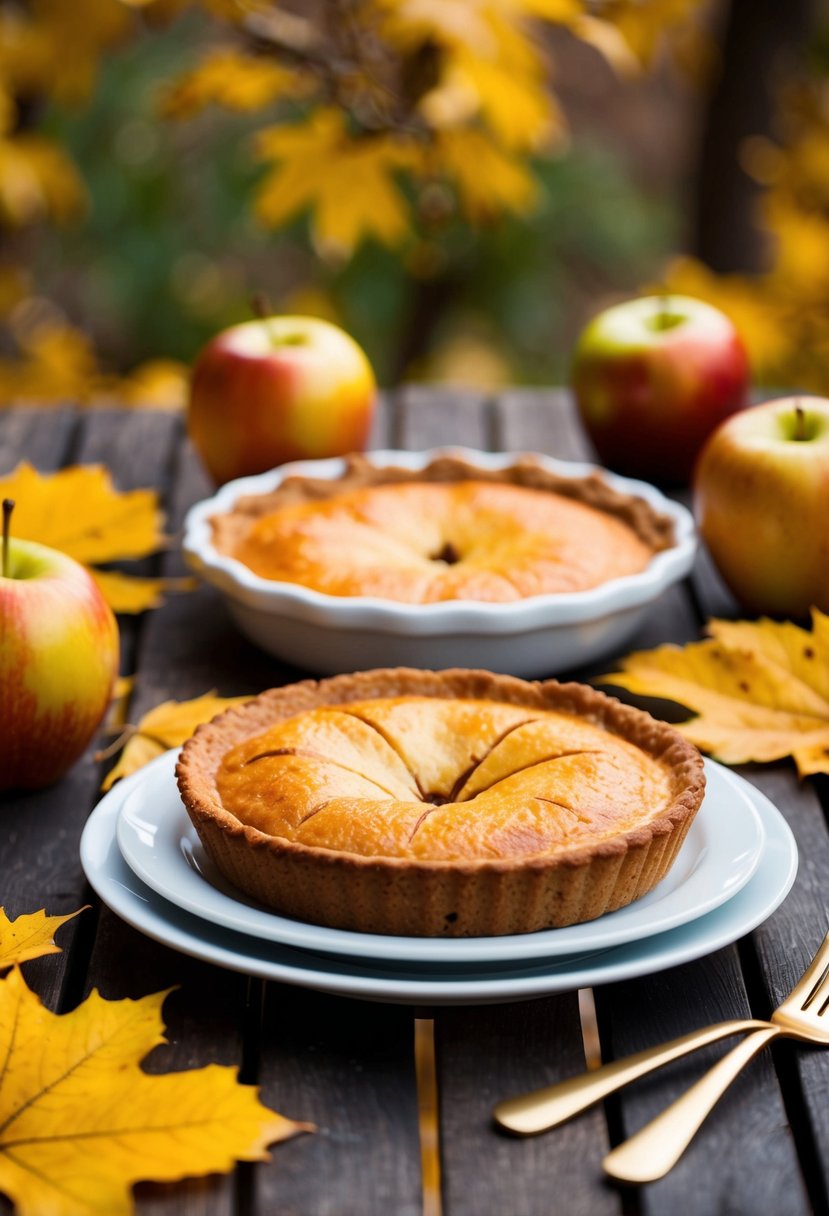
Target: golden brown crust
{"x":422,"y":898}
{"x":231,"y":528}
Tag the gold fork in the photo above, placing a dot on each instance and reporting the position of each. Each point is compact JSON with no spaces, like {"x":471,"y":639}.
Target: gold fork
{"x":546,"y":1108}
{"x":653,"y":1151}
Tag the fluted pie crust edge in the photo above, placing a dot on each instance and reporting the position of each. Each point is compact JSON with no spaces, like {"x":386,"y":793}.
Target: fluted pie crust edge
{"x":230,"y":528}
{"x":405,"y":897}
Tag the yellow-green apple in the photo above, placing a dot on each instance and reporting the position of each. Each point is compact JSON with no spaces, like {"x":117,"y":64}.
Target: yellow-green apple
{"x":277,"y":389}
{"x":652,"y":379}
{"x":58,"y":662}
{"x":761,"y":498}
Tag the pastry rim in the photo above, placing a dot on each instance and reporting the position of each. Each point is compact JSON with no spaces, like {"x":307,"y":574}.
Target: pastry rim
{"x":230,"y":527}
{"x":230,"y":842}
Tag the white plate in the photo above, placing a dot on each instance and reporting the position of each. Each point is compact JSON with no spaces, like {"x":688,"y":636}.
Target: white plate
{"x":419,"y":984}
{"x":719,"y":856}
{"x":538,"y":635}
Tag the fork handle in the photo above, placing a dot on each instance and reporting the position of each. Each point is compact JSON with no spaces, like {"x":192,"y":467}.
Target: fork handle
{"x":654,"y":1150}
{"x":545,"y":1108}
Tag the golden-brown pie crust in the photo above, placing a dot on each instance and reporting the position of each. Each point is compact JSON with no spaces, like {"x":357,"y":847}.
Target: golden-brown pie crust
{"x":357,"y":535}
{"x":458,"y":898}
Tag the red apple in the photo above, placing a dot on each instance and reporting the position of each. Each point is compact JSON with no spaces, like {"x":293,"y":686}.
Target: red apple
{"x":278,"y":389}
{"x":653,"y":377}
{"x":58,"y":663}
{"x":761,"y":498}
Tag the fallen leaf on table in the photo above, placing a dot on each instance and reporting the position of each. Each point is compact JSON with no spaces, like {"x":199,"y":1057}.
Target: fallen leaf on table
{"x":80,"y":1122}
{"x":130,"y":593}
{"x":760,"y":690}
{"x":79,"y":511}
{"x":29,"y":936}
{"x":165,"y":726}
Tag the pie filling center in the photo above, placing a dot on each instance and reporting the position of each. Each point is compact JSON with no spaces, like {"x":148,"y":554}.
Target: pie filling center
{"x":442,"y":779}
{"x":423,"y":543}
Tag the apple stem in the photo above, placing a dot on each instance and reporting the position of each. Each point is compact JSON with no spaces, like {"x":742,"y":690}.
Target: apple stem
{"x":260,"y":305}
{"x":8,"y":507}
{"x":799,"y":422}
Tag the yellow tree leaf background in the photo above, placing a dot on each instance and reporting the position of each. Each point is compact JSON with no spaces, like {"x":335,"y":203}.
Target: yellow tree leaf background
{"x":80,"y":1122}
{"x":760,"y":690}
{"x":79,"y":511}
{"x":29,"y":936}
{"x":166,"y":726}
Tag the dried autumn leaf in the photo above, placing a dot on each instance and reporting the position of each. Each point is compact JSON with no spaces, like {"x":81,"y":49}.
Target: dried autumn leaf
{"x":347,"y":182}
{"x":129,"y":593}
{"x":760,"y":690}
{"x":79,"y":511}
{"x":165,"y":726}
{"x":29,"y":936}
{"x":80,"y":1122}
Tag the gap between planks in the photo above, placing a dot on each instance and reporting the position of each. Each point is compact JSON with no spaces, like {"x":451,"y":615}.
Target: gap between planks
{"x":428,"y":1098}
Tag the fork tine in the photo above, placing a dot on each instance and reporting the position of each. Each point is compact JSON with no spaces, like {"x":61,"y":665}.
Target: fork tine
{"x":815,"y":974}
{"x":817,"y":988}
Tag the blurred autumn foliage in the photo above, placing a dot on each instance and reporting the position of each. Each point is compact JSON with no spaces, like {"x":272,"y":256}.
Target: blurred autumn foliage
{"x":402,"y":166}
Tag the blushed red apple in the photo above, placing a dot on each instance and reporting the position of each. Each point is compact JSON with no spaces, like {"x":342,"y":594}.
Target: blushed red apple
{"x":278,"y":389}
{"x":652,"y":379}
{"x":58,"y":663}
{"x":761,"y":499}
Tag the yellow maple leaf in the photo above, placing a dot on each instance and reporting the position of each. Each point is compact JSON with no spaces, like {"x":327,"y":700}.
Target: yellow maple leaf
{"x":760,"y":690}
{"x":488,"y":180}
{"x":79,"y":511}
{"x":29,"y":936}
{"x":346,"y":181}
{"x":516,"y":105}
{"x":234,"y":79}
{"x":645,"y":26}
{"x":166,"y":725}
{"x":156,"y":384}
{"x":80,"y":1122}
{"x":129,"y":593}
{"x":37,"y":180}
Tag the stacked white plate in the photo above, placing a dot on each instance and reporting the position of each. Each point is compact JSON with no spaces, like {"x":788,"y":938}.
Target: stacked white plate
{"x":143,"y":857}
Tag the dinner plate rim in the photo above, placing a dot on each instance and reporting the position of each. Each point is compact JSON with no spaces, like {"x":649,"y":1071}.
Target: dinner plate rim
{"x":130,"y":899}
{"x":217,"y":904}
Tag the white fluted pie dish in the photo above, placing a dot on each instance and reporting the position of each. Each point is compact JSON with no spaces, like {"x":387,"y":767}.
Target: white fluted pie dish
{"x":537,"y":635}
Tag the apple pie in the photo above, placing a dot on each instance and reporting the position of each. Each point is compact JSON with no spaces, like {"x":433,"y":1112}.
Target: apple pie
{"x":453,"y":803}
{"x":447,"y":532}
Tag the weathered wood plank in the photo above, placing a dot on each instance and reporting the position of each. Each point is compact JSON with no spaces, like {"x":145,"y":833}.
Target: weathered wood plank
{"x":484,"y":1055}
{"x":206,"y":1018}
{"x":746,"y":1138}
{"x":185,"y":648}
{"x":383,"y":427}
{"x":783,"y":946}
{"x":43,"y":437}
{"x":347,"y":1066}
{"x":429,"y":417}
{"x":493,"y":1053}
{"x":541,"y":420}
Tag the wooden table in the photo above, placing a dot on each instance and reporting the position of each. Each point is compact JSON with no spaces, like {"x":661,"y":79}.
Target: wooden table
{"x":349,"y":1065}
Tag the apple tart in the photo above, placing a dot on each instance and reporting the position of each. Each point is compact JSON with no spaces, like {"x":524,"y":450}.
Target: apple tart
{"x":450,"y":803}
{"x":449,"y":531}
